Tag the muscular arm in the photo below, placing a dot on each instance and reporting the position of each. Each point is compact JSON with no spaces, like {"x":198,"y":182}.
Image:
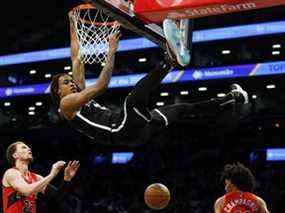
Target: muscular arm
{"x":78,"y":70}
{"x":15,"y":180}
{"x":73,"y":102}
{"x":106,"y":73}
{"x":218,"y":205}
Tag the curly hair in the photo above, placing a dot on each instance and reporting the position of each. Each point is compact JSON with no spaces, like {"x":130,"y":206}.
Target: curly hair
{"x":54,"y":89}
{"x":240,"y":176}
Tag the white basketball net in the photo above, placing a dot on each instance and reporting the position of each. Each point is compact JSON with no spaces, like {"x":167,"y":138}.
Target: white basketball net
{"x":93,"y":30}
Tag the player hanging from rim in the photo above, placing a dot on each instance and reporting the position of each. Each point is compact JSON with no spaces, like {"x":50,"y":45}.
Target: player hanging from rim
{"x":135,"y":123}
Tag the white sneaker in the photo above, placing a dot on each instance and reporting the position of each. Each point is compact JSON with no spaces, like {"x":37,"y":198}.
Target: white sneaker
{"x":239,"y":94}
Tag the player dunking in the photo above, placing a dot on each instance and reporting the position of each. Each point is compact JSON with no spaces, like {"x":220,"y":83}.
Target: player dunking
{"x":239,"y":183}
{"x":135,"y":122}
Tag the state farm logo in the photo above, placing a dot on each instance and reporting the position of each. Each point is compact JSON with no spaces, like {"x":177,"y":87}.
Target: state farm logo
{"x":169,"y":3}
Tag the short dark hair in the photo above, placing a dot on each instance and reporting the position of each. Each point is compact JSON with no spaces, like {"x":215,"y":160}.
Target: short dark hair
{"x":10,"y":151}
{"x":240,"y":176}
{"x":54,"y":85}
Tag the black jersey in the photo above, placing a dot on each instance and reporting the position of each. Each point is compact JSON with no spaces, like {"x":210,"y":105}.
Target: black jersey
{"x":94,"y":121}
{"x":128,"y":126}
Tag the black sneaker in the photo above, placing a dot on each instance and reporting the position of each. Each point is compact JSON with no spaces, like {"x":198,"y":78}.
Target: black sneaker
{"x":239,"y":94}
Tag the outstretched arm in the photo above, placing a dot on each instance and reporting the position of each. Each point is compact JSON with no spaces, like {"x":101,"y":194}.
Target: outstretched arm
{"x":73,"y":102}
{"x":78,"y":70}
{"x":106,"y":73}
{"x":14,"y":178}
{"x":60,"y":193}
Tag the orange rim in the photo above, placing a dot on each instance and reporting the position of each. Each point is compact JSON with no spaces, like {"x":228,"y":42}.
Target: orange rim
{"x":97,"y":23}
{"x":90,"y":6}
{"x":84,"y":7}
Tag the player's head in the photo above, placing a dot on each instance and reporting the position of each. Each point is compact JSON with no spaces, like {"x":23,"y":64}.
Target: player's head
{"x":19,"y":151}
{"x":238,"y":177}
{"x":61,"y":85}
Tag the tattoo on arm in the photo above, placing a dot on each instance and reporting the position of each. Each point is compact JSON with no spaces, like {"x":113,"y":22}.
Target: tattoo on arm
{"x":107,"y":71}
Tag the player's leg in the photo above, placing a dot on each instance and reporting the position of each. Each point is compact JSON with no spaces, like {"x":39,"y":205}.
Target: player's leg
{"x":135,"y":114}
{"x":142,"y":90}
{"x":178,"y":112}
{"x":139,"y":96}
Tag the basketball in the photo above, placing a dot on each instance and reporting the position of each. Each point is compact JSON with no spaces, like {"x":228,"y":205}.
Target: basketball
{"x":157,"y":196}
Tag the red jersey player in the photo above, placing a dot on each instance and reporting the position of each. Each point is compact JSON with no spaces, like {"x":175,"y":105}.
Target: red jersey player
{"x":20,"y":186}
{"x":239,"y":183}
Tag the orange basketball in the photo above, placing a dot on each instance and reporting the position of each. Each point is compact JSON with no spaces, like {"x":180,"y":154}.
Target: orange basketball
{"x":157,"y":196}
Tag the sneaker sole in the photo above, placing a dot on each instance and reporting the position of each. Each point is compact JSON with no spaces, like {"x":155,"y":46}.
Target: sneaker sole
{"x":171,"y":32}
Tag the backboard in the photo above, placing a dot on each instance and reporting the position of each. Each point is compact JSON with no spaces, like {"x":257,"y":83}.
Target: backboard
{"x":123,"y":11}
{"x":144,"y":16}
{"x":155,"y":11}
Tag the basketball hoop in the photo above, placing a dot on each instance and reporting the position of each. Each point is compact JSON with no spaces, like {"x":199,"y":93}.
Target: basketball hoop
{"x":93,"y":30}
